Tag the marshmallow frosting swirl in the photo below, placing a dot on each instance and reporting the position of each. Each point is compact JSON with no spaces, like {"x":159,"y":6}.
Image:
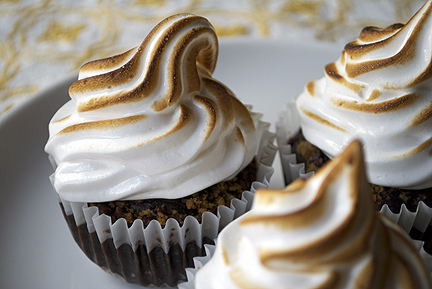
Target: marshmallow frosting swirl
{"x":152,"y":122}
{"x":318,"y":233}
{"x":380,"y":91}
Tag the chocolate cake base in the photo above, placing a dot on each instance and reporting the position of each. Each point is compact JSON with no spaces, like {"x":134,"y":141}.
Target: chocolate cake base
{"x":314,"y":158}
{"x":139,"y":267}
{"x":194,"y":205}
{"x":157,"y":267}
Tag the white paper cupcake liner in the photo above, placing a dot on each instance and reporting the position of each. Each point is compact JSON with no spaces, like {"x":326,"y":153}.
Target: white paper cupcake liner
{"x":287,"y":126}
{"x":405,"y":219}
{"x":199,"y":262}
{"x":154,"y":255}
{"x":412,"y":223}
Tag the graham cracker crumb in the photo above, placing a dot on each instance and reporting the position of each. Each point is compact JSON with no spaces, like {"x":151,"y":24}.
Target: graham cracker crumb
{"x":194,"y":205}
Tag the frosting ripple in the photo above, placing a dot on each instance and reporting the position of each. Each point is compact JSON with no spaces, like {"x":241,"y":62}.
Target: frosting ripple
{"x":380,"y":91}
{"x":151,"y":122}
{"x":318,"y":233}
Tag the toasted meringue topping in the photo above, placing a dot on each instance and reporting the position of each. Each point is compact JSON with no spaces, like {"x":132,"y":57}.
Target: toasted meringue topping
{"x":151,"y":122}
{"x":380,"y":91}
{"x":318,"y":233}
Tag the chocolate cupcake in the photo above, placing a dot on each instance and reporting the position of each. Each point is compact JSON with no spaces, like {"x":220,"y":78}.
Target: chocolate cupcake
{"x":323,"y":232}
{"x":153,"y":156}
{"x":379,"y":91}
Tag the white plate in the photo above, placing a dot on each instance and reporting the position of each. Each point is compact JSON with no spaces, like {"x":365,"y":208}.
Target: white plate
{"x":36,"y":248}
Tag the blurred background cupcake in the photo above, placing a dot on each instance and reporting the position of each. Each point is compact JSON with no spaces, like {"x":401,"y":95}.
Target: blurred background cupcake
{"x":153,"y":156}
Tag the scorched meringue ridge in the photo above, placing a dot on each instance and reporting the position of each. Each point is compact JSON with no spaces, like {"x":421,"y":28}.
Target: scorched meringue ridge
{"x":152,"y":119}
{"x":380,"y":91}
{"x":318,"y":233}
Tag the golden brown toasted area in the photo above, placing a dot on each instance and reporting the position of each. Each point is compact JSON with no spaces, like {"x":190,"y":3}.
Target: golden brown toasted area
{"x":115,"y":72}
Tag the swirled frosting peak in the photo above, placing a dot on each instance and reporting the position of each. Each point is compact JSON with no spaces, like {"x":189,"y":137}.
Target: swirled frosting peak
{"x":318,"y":233}
{"x":380,"y":91}
{"x":151,"y":122}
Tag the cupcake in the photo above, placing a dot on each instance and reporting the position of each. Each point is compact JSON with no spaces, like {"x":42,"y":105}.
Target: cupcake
{"x":323,"y":232}
{"x":379,"y":91}
{"x":153,"y":156}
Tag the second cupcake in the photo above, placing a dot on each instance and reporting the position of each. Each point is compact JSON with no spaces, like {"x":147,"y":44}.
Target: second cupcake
{"x":379,"y":91}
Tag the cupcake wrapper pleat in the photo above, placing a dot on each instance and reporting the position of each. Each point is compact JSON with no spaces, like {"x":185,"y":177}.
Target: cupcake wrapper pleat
{"x":286,"y":127}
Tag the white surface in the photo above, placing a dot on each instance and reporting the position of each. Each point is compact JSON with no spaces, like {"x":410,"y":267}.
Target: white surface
{"x":36,"y":247}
